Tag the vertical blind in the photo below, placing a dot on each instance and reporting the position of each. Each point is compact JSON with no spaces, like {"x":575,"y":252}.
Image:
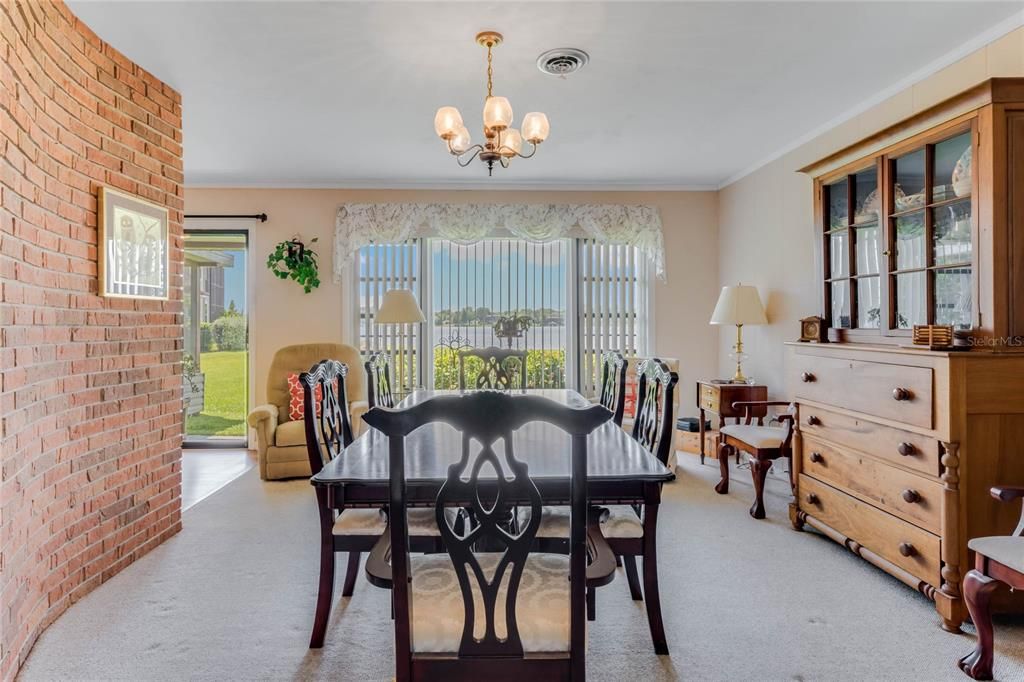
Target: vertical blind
{"x":465,"y":289}
{"x":613,"y":299}
{"x":383,"y":267}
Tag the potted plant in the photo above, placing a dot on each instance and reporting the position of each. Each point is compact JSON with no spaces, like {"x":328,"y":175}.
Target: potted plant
{"x":294,"y":260}
{"x":510,"y":327}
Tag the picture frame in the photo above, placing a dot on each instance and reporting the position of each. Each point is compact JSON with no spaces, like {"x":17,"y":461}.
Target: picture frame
{"x":134,"y":247}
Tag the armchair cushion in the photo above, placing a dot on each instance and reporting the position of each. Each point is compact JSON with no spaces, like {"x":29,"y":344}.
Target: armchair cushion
{"x":264,"y":420}
{"x":542,"y":603}
{"x":1006,"y":549}
{"x":299,"y":358}
{"x":291,"y":434}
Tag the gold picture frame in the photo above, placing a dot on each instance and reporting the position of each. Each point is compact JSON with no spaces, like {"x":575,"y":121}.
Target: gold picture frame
{"x":134,"y":247}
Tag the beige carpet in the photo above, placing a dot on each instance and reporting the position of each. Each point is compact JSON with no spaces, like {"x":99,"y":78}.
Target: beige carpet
{"x":231,"y":598}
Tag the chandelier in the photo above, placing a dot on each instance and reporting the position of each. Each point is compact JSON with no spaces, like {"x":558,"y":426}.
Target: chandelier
{"x":503,"y":142}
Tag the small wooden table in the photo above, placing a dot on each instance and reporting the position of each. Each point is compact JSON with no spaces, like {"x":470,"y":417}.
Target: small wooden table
{"x":718,"y":398}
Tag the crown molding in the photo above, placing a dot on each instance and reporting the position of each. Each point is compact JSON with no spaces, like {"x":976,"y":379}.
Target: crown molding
{"x":370,"y":185}
{"x":987,"y":37}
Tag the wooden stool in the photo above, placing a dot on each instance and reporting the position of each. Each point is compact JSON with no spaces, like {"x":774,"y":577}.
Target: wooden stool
{"x":764,"y":443}
{"x":999,"y":560}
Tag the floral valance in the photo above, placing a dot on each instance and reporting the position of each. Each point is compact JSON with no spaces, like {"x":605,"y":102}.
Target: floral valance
{"x":359,"y":225}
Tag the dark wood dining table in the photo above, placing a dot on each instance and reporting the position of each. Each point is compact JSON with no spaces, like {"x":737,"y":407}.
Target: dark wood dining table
{"x":619,"y":470}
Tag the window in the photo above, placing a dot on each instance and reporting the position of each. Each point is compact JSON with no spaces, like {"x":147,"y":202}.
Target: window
{"x":564,"y":302}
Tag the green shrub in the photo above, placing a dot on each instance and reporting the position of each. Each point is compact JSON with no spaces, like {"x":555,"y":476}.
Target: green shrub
{"x":207,"y":344}
{"x":229,"y":332}
{"x":544,"y":368}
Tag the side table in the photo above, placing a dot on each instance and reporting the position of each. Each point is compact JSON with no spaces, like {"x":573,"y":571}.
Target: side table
{"x":718,"y":398}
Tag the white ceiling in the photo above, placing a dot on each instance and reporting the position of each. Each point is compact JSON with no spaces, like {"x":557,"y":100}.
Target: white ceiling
{"x":676,"y":94}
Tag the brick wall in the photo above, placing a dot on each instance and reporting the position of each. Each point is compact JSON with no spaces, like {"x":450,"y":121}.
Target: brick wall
{"x":90,"y":388}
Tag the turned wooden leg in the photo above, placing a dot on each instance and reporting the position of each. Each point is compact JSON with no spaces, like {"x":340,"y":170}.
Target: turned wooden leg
{"x":652,"y":598}
{"x":591,"y":603}
{"x":700,"y":431}
{"x":350,"y":574}
{"x":633,"y":578}
{"x":978,"y":589}
{"x":325,"y":591}
{"x":724,"y":452}
{"x":758,"y":471}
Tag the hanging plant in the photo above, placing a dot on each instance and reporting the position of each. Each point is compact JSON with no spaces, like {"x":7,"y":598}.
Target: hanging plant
{"x":293,"y":260}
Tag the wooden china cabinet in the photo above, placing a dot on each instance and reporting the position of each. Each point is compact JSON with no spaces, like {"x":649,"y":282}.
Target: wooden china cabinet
{"x":897,"y":446}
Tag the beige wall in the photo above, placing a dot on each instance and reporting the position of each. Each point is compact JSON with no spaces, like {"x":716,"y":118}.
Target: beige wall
{"x":285,"y":315}
{"x":766,"y":231}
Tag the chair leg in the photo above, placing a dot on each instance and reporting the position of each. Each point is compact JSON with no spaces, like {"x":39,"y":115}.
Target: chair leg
{"x":758,"y":471}
{"x":325,"y":590}
{"x":591,"y":603}
{"x":978,"y":589}
{"x":632,"y":577}
{"x":724,"y":452}
{"x":652,"y":598}
{"x":618,"y":562}
{"x":350,"y":574}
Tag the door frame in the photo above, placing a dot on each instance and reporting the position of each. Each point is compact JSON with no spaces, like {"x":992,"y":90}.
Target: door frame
{"x":235,"y":226}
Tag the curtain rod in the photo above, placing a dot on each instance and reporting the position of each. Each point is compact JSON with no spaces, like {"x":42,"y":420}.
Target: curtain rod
{"x":262,"y":217}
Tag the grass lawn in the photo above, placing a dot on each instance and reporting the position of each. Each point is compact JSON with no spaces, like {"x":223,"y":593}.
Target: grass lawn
{"x":225,"y":400}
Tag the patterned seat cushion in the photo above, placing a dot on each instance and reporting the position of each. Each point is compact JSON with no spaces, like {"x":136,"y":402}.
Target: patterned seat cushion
{"x":422,"y":522}
{"x":554,"y":521}
{"x":621,"y":522}
{"x":542,"y":603}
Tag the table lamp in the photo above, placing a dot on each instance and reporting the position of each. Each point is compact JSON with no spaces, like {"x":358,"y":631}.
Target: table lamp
{"x":739,"y":305}
{"x":399,"y":306}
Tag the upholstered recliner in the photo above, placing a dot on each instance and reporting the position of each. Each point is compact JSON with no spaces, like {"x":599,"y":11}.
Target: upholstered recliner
{"x":281,"y":442}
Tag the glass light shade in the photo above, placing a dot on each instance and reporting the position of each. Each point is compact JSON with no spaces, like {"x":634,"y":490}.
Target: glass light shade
{"x":511,"y":143}
{"x":497,"y":113}
{"x":447,"y":122}
{"x":535,"y":127}
{"x":461,"y":142}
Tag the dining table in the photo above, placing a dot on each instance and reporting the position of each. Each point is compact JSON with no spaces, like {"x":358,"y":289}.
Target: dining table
{"x":619,"y":470}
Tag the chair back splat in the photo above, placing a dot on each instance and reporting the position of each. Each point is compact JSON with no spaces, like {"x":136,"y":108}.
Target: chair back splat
{"x":488,"y":478}
{"x":652,"y":426}
{"x":325,"y":410}
{"x":498,"y":370}
{"x":378,"y":380}
{"x":613,"y":384}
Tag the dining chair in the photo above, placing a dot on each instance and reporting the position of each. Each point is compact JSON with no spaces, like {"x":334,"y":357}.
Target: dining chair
{"x":764,"y":444}
{"x":495,"y":373}
{"x":613,"y":384}
{"x":998,"y":562}
{"x":464,"y":614}
{"x":378,"y":380}
{"x":353,"y":530}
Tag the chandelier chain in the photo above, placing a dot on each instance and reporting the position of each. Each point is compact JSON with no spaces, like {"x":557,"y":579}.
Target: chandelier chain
{"x":490,"y":70}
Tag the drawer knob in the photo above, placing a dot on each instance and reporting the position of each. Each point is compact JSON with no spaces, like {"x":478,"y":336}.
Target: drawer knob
{"x":813,"y":421}
{"x":907,"y":549}
{"x":807,"y":377}
{"x":812,"y":498}
{"x":906,"y":449}
{"x":911,"y":496}
{"x":901,"y":394}
{"x":816,"y":457}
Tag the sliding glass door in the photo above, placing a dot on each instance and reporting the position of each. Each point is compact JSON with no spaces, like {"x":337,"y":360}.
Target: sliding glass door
{"x":216,"y":372}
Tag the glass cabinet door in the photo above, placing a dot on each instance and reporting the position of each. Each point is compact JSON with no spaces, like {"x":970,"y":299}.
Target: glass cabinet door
{"x":851,"y":211}
{"x":930,"y":235}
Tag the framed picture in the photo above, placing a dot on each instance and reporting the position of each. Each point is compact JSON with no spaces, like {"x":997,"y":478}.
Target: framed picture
{"x":134,"y":247}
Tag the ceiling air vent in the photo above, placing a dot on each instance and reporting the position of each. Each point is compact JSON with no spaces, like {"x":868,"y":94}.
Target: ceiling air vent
{"x":562,"y":61}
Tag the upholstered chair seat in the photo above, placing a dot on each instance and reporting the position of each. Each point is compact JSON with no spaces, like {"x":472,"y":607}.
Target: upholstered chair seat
{"x":1006,"y":549}
{"x":542,"y":603}
{"x":762,"y":437}
{"x":621,"y":521}
{"x":422,"y":522}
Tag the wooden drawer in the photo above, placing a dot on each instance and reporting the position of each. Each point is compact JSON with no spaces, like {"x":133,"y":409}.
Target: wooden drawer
{"x":884,"y":442}
{"x":896,"y":392}
{"x":709,"y":398}
{"x":873,"y":528}
{"x":911,"y":497}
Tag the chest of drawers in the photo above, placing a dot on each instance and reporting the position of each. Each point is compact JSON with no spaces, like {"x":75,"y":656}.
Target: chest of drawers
{"x":895,"y":451}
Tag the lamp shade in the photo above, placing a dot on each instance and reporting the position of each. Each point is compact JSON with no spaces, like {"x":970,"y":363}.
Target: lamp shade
{"x":739,"y":304}
{"x":399,"y":307}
